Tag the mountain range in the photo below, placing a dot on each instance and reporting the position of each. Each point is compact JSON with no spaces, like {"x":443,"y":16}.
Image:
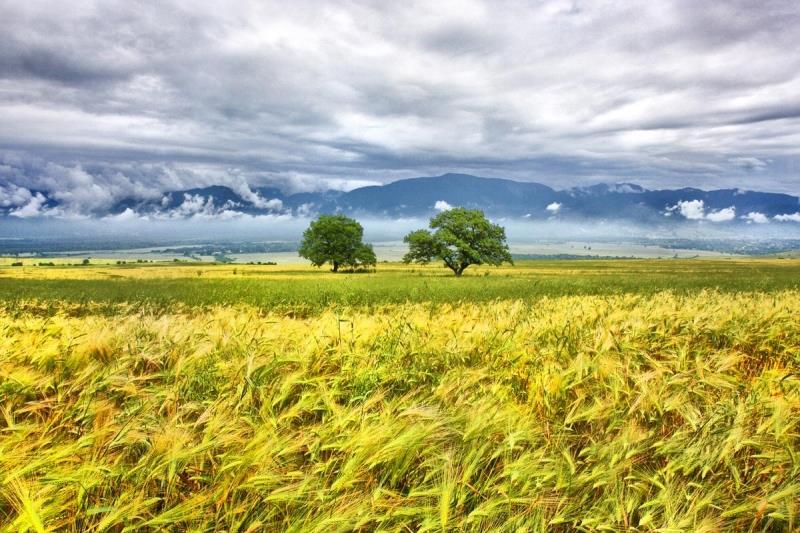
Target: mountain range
{"x":422,"y":197}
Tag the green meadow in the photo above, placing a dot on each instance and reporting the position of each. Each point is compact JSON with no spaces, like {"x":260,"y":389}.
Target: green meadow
{"x":304,"y":288}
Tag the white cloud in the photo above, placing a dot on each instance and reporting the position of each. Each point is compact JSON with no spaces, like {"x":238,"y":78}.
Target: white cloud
{"x":35,"y":207}
{"x":691,"y":209}
{"x":793,"y":217}
{"x":756,"y":218}
{"x":127,"y":214}
{"x":293,"y":182}
{"x":555,"y":207}
{"x":722,"y":215}
{"x":195,"y":203}
{"x":246,"y":193}
{"x":625,"y":188}
{"x":12,"y":195}
{"x":696,"y":210}
{"x":304,"y":210}
{"x":275,"y":204}
{"x":441,"y":205}
{"x":200,"y":207}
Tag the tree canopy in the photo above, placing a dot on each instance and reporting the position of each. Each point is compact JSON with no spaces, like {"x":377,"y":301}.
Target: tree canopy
{"x":336,"y":239}
{"x":461,"y":237}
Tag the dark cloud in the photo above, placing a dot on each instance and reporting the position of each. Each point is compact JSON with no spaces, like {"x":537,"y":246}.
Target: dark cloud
{"x":17,"y":61}
{"x":101,"y":100}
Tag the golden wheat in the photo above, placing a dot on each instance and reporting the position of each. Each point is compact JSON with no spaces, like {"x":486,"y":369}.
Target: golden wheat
{"x":666,"y":412}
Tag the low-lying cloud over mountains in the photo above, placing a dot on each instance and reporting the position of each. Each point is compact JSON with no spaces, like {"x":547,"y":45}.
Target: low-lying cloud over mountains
{"x":421,"y":197}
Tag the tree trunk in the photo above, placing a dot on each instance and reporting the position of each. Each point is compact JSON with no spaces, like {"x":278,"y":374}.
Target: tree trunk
{"x":335,"y":266}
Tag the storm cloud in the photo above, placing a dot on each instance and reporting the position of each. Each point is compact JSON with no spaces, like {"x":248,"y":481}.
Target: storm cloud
{"x":106,"y":100}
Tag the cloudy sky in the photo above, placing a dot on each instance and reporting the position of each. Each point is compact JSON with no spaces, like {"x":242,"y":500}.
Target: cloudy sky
{"x":105,"y":100}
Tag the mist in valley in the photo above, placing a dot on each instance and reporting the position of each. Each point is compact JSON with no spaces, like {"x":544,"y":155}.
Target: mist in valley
{"x":526,"y":238}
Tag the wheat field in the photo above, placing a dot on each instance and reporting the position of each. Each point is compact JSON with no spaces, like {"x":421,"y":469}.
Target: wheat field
{"x":623,"y":412}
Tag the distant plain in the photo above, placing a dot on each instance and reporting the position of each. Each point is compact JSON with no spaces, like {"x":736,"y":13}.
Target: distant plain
{"x":295,"y":286}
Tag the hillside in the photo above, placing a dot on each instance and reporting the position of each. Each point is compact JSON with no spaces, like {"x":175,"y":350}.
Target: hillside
{"x":421,"y":197}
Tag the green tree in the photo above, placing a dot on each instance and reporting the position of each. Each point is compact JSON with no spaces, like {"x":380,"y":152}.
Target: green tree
{"x":336,"y":239}
{"x":364,"y":257}
{"x":461,"y":237}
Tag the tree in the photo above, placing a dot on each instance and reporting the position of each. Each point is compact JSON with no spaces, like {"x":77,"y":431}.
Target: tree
{"x":462,"y":237}
{"x":364,"y":256}
{"x":336,"y":239}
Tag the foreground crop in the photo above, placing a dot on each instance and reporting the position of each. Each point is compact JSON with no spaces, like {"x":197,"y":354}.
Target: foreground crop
{"x":589,"y":412}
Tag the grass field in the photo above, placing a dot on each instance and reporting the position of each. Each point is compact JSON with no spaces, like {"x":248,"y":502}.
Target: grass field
{"x":549,"y":396}
{"x":301,"y":289}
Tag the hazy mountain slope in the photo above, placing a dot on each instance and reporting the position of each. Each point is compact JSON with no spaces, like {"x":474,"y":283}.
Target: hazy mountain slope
{"x":418,"y":197}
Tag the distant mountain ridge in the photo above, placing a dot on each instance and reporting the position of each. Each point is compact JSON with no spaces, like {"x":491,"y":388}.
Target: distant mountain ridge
{"x":421,"y":197}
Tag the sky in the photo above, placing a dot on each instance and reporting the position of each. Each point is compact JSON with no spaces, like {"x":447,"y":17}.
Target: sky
{"x":101,"y":101}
